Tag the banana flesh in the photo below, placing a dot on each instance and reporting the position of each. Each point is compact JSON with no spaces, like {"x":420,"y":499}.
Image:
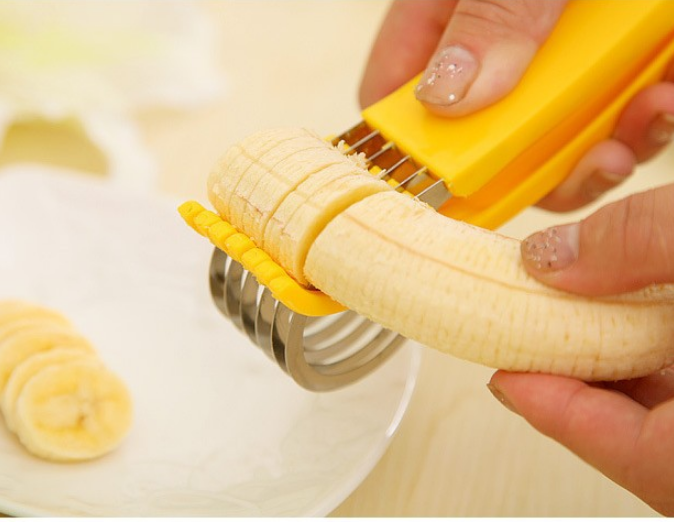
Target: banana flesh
{"x":451,"y":286}
{"x":17,"y":347}
{"x":73,"y":411}
{"x":56,"y":394}
{"x":462,"y":290}
{"x":28,"y":369}
{"x":281,"y":187}
{"x":15,"y":313}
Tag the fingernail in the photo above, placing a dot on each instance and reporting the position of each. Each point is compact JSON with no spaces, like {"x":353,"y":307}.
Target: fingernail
{"x":599,"y":183}
{"x":449,"y":76}
{"x":500,"y":396}
{"x":661,"y":129}
{"x":552,"y":249}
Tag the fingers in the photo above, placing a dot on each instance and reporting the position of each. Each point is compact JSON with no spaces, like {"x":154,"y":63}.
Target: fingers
{"x":624,"y":246}
{"x":602,"y":168}
{"x":644,"y":129}
{"x":407,"y":39}
{"x":624,"y":440}
{"x":647,"y":123}
{"x":650,"y":391}
{"x":483,"y":53}
{"x":600,"y":426}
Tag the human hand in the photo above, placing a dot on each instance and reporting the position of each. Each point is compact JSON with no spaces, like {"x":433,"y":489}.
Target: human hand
{"x":492,"y":42}
{"x":624,"y":429}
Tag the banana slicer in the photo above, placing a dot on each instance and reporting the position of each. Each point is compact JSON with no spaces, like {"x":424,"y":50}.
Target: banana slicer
{"x":483,"y":169}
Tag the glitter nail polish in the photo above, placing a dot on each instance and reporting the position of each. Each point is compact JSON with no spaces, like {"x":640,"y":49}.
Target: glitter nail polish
{"x":448,"y":77}
{"x":552,"y":249}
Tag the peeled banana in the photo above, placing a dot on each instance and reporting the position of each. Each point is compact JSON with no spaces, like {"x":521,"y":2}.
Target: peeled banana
{"x":17,"y":347}
{"x":451,"y":286}
{"x":55,"y":393}
{"x":28,"y":369}
{"x":14,"y":314}
{"x":75,"y":410}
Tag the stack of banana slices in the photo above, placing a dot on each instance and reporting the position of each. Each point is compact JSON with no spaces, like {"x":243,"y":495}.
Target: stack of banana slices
{"x":56,"y":395}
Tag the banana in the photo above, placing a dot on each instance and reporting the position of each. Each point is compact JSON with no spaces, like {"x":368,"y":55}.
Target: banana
{"x":76,"y":410}
{"x":15,"y":311}
{"x":28,"y":323}
{"x":55,"y":393}
{"x":305,"y":211}
{"x":20,"y":345}
{"x":446,"y":284}
{"x":29,"y":368}
{"x":295,"y":186}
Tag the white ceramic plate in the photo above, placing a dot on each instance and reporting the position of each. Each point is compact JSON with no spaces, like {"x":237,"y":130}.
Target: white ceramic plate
{"x":219,"y":430}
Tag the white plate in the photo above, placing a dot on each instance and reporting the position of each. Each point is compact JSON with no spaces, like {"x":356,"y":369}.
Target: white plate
{"x":219,"y":430}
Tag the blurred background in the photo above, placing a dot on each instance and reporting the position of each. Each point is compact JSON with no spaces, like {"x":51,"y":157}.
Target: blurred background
{"x":149,"y":94}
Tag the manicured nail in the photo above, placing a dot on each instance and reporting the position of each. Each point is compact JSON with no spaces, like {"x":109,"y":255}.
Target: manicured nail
{"x":661,"y":129}
{"x":500,"y":396}
{"x":552,"y":249}
{"x":448,"y":77}
{"x":599,"y":183}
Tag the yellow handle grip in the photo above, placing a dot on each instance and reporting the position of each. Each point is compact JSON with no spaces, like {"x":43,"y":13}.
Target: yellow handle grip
{"x":506,"y":157}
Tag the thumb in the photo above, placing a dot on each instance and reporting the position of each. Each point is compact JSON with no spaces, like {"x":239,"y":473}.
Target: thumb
{"x":484,"y":52}
{"x":624,"y":246}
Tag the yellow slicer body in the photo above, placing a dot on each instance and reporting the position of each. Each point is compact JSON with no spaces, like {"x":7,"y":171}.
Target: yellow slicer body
{"x":506,"y":157}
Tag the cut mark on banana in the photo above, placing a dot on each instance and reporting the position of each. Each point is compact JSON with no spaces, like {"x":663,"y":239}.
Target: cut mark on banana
{"x":451,"y":286}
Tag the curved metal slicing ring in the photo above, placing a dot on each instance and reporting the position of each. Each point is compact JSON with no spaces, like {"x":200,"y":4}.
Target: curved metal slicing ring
{"x":319,"y":353}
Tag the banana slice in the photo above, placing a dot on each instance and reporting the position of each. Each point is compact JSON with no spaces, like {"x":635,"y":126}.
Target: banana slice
{"x":73,"y":411}
{"x":29,"y":323}
{"x":242,"y":157}
{"x":30,"y":367}
{"x":17,"y":347}
{"x":305,"y":211}
{"x":14,"y":311}
{"x":296,"y":153}
{"x":451,"y":286}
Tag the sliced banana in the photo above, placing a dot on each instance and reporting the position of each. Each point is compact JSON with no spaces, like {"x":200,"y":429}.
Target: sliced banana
{"x":55,"y":393}
{"x":296,"y":153}
{"x":17,"y":347}
{"x":454,"y":287}
{"x":29,"y":323}
{"x":301,"y":216}
{"x":15,"y":311}
{"x":73,"y":411}
{"x":29,"y":368}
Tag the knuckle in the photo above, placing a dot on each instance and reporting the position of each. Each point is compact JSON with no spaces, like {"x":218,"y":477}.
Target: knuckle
{"x":647,"y":240}
{"x":509,"y":18}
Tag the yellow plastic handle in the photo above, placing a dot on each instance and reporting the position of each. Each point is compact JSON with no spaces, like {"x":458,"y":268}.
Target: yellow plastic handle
{"x":504,"y":158}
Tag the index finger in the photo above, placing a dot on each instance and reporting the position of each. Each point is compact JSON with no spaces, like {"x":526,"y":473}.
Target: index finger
{"x":623,"y":439}
{"x":406,"y":41}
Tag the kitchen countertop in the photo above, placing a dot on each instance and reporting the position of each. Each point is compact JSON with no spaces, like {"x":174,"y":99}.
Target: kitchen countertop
{"x":458,"y":452}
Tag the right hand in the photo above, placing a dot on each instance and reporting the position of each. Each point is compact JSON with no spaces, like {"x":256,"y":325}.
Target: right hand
{"x":498,"y":39}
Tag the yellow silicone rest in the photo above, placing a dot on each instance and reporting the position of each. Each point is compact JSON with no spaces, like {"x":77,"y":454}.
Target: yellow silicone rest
{"x":504,"y":158}
{"x":241,"y":248}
